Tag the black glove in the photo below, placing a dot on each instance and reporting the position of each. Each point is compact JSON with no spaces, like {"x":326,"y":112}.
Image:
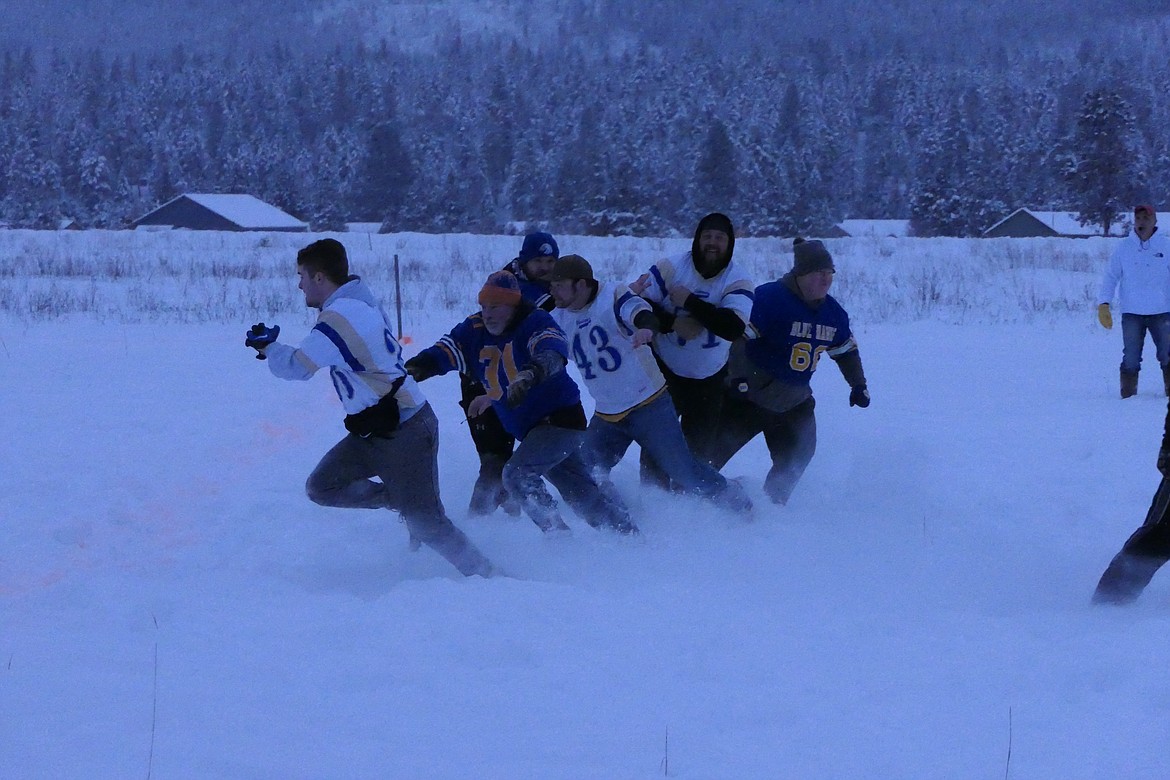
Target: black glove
{"x":259,"y":337}
{"x":420,"y":367}
{"x":1164,"y":462}
{"x":518,"y":389}
{"x":859,"y":396}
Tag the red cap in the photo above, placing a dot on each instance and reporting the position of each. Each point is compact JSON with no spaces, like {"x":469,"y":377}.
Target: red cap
{"x":1146,"y":208}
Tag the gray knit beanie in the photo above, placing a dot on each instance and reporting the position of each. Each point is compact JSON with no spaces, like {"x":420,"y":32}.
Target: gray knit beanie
{"x":810,"y":256}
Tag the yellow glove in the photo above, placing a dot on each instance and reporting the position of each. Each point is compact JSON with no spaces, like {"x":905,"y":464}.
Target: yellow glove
{"x":1104,"y":316}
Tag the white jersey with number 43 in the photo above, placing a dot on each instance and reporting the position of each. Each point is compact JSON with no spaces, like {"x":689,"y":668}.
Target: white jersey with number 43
{"x":700,"y":357}
{"x":617,"y":375}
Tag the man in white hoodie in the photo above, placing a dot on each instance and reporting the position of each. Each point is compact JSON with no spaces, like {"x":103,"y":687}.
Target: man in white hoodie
{"x":393,"y":434}
{"x":1141,"y":266}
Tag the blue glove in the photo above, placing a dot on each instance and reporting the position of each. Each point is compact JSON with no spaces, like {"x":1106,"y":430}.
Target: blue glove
{"x":259,"y":337}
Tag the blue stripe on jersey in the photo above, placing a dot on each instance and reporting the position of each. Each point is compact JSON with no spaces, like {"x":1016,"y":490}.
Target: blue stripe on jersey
{"x":750,"y":294}
{"x":625,"y":327}
{"x":342,"y":347}
{"x":654,"y":272}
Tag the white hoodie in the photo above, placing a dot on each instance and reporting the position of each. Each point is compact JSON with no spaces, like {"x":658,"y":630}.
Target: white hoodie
{"x":1143,"y":270}
{"x":353,"y":338}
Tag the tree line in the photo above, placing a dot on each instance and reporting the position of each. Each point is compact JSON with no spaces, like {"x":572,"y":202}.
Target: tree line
{"x":476,"y":135}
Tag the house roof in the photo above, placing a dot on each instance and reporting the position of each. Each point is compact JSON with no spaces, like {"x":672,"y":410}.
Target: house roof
{"x":897,"y":228}
{"x":247,"y":211}
{"x":1064,"y":223}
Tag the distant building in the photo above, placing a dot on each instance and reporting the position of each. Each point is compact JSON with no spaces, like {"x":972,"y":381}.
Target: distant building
{"x":199,"y":211}
{"x":871,"y":228}
{"x":363,"y":227}
{"x":1026,"y":223}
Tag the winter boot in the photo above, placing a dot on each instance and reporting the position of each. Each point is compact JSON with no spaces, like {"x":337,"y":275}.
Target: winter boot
{"x":1128,"y":383}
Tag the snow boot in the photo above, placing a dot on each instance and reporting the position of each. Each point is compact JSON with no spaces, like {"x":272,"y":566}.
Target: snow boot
{"x":1128,"y":383}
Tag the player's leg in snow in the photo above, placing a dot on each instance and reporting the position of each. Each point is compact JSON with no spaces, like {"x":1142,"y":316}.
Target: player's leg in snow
{"x":408,"y":465}
{"x":543,"y":448}
{"x":597,"y":502}
{"x":655,"y":427}
{"x":342,"y":478}
{"x":494,"y":446}
{"x":488,"y":491}
{"x":1146,"y":550}
{"x":792,"y":441}
{"x":1160,"y":333}
{"x":1133,"y":336}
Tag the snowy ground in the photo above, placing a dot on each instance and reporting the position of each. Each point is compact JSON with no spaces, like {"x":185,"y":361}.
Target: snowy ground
{"x":171,"y":605}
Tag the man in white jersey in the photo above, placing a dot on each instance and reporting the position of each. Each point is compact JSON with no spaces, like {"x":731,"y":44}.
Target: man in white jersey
{"x":393,"y":434}
{"x":609,"y":329}
{"x":703,"y":301}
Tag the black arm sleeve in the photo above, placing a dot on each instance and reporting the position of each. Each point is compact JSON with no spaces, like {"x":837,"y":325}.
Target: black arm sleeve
{"x":724,"y":323}
{"x":850,"y":365}
{"x":649,"y":320}
{"x":665,"y":318}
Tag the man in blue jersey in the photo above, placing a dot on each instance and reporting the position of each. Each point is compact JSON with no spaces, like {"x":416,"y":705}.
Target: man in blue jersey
{"x":493,"y":443}
{"x":793,"y":322}
{"x":393,"y":434}
{"x":518,"y":354}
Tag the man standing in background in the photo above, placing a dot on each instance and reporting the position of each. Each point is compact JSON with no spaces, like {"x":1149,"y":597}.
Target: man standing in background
{"x":1141,"y":266}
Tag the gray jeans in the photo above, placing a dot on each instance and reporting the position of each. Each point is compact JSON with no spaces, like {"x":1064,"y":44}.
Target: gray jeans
{"x":407,"y":464}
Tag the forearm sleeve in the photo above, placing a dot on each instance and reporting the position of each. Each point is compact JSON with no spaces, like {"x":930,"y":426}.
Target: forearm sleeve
{"x":850,"y":365}
{"x":724,"y":323}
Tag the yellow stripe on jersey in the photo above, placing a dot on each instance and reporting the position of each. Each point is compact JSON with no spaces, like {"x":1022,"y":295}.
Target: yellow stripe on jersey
{"x":622,"y":415}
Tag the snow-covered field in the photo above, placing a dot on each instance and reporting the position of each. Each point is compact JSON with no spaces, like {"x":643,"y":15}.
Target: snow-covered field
{"x":171,"y":606}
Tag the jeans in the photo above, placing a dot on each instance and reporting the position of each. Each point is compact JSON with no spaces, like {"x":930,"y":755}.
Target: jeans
{"x":699,"y":403}
{"x":407,"y":465}
{"x":656,"y":429}
{"x":554,"y":452}
{"x":1133,"y":336}
{"x":791,"y":438}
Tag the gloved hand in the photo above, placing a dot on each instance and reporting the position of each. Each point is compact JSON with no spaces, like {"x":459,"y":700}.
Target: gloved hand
{"x":859,"y":396}
{"x":419,"y":368}
{"x":1104,"y":316}
{"x":1164,"y":462}
{"x":518,"y":389}
{"x":259,"y":337}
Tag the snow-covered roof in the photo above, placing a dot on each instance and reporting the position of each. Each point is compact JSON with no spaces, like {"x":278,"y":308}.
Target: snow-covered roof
{"x":247,"y":211}
{"x":897,"y":228}
{"x":1064,"y":223}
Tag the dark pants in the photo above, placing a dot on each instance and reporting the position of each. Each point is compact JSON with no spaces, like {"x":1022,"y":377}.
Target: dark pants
{"x":494,"y":445}
{"x":699,"y":403}
{"x":791,"y":438}
{"x":407,"y":465}
{"x":1141,"y":556}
